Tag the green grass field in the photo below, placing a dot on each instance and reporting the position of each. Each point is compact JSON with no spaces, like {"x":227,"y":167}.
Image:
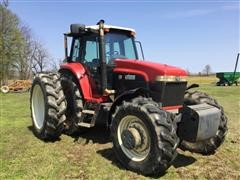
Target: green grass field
{"x":90,"y":156}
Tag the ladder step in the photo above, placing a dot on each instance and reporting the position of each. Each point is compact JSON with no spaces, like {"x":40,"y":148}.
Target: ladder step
{"x":83,"y":124}
{"x":85,"y":111}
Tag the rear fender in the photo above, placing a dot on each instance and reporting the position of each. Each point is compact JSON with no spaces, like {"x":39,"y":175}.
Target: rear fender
{"x":79,"y":73}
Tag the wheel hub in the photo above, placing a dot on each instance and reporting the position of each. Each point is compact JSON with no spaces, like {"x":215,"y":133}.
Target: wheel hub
{"x":131,"y":138}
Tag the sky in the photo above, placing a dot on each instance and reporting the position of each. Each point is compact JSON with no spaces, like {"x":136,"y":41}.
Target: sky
{"x":187,"y":34}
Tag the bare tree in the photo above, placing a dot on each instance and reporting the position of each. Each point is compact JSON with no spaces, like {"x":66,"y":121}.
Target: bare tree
{"x":40,"y":58}
{"x":55,"y":64}
{"x":207,"y":69}
{"x":4,"y":3}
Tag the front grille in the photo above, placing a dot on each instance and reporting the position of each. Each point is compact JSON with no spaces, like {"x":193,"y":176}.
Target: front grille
{"x":168,"y":93}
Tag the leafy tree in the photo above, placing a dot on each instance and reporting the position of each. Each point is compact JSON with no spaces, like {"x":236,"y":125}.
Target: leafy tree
{"x":10,"y":40}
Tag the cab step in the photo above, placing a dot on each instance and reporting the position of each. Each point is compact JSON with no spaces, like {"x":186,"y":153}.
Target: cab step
{"x":86,"y":111}
{"x":90,"y":113}
{"x":89,"y":116}
{"x":84,"y":124}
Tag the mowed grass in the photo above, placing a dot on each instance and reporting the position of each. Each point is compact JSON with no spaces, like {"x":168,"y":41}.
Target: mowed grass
{"x":203,"y":80}
{"x":90,"y":156}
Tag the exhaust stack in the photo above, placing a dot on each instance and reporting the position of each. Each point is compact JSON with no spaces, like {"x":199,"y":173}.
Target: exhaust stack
{"x":102,"y":57}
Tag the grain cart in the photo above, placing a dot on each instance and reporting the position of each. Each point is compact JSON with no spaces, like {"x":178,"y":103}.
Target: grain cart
{"x":229,"y":78}
{"x":147,"y":106}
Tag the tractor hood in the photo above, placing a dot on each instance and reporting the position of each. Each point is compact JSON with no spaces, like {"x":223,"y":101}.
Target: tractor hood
{"x":149,"y":70}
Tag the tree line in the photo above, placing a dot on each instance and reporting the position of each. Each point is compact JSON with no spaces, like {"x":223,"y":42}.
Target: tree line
{"x":21,"y":55}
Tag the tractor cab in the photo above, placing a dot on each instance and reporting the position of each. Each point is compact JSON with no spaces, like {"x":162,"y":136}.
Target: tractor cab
{"x":96,"y":49}
{"x":118,"y":42}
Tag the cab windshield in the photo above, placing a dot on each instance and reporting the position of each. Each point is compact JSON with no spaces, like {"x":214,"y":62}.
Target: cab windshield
{"x":117,"y":45}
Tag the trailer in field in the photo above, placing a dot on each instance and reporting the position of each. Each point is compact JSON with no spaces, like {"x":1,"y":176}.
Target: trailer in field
{"x":229,"y":78}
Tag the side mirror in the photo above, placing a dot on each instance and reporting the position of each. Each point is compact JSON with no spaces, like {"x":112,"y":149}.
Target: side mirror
{"x":68,"y":59}
{"x":77,"y":28}
{"x":140,"y":47}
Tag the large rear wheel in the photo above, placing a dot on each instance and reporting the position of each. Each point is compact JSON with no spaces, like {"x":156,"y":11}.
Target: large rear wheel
{"x":48,"y":106}
{"x":75,"y":104}
{"x":208,"y":146}
{"x":144,"y":136}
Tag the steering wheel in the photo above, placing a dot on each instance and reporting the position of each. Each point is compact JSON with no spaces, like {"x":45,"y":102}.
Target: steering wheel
{"x":112,"y":53}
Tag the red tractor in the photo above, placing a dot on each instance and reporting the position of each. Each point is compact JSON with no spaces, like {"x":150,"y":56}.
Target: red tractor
{"x":147,"y":106}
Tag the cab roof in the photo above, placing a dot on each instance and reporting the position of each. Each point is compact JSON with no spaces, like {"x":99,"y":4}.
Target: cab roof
{"x":81,"y":29}
{"x":96,"y":27}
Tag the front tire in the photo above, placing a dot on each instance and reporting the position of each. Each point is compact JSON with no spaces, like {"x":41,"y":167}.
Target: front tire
{"x":208,"y":146}
{"x":144,"y":136}
{"x":48,"y":106}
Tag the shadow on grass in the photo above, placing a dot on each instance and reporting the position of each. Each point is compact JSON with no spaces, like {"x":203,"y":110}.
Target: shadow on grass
{"x":30,"y":128}
{"x":97,"y":134}
{"x":109,"y":155}
{"x":180,"y":161}
{"x":101,"y":135}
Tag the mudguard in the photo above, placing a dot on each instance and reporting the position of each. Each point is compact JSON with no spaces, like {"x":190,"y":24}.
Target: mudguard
{"x":79,"y":72}
{"x":127,"y":95}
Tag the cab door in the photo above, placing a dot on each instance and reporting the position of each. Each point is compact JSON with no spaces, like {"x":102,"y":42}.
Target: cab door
{"x":90,"y":60}
{"x":85,"y":51}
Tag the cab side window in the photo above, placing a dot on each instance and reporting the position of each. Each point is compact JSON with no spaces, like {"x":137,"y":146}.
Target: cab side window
{"x":91,"y":51}
{"x":129,"y":49}
{"x":75,"y":53}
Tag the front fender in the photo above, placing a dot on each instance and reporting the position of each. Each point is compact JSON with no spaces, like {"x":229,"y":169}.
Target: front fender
{"x":126,"y":96}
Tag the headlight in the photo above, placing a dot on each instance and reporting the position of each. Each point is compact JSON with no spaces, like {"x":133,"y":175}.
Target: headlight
{"x":171,"y":78}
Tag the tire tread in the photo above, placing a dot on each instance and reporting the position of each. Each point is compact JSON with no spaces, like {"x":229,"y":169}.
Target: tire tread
{"x":52,"y":128}
{"x":164,"y":127}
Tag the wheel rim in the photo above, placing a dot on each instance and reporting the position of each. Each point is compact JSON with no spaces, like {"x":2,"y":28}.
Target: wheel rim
{"x":38,"y":106}
{"x":138,"y":130}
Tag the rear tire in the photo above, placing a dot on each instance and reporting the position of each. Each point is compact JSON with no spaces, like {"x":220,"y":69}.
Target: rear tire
{"x":75,"y":104}
{"x":208,"y":146}
{"x":48,"y":106}
{"x":157,"y":134}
